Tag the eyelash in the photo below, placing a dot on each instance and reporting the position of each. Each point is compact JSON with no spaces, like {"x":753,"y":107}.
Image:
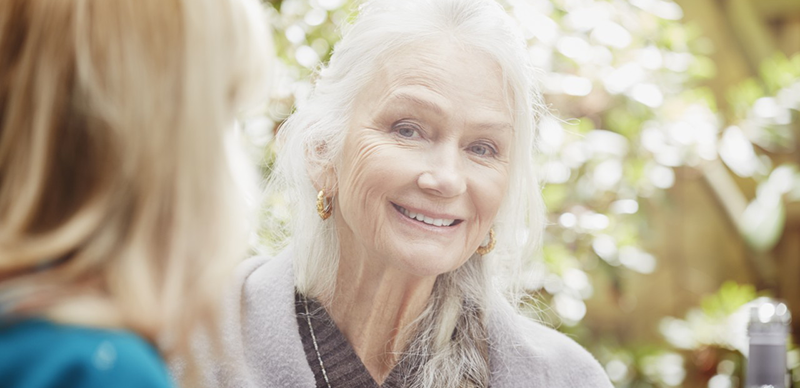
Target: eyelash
{"x":491,"y":150}
{"x":400,"y":126}
{"x":406,"y":128}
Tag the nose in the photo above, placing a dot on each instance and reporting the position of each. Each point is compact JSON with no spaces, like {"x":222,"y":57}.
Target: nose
{"x":444,"y":175}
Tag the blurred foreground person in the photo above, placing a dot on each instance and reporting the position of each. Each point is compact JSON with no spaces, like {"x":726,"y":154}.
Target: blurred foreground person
{"x":414,"y":201}
{"x":120,"y":212}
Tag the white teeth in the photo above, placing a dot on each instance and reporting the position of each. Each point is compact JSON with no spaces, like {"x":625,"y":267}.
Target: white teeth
{"x":425,"y":219}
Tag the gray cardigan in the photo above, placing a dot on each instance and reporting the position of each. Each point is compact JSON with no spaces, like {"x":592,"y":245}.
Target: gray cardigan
{"x":261,"y":333}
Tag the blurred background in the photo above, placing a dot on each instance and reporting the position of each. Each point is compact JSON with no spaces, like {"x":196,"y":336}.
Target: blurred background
{"x":669,"y":167}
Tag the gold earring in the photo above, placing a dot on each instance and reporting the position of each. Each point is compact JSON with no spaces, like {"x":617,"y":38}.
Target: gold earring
{"x":482,"y":250}
{"x":323,"y":210}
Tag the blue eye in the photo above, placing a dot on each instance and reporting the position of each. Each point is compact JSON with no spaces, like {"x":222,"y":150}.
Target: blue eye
{"x":481,"y":150}
{"x":406,"y":132}
{"x":406,"y":129}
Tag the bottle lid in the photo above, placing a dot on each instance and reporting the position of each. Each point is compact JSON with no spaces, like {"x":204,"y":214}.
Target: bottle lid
{"x":769,"y":317}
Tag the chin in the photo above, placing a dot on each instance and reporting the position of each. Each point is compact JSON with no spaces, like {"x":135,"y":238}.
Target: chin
{"x":429,"y":264}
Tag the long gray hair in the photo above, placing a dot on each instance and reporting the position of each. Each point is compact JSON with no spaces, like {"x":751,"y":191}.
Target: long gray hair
{"x":450,"y":344}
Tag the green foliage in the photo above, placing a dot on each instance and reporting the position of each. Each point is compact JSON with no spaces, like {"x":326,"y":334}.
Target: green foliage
{"x":780,"y":72}
{"x":703,"y":96}
{"x":611,"y":153}
{"x":743,"y":96}
{"x":554,"y":195}
{"x":702,"y":68}
{"x":730,"y":298}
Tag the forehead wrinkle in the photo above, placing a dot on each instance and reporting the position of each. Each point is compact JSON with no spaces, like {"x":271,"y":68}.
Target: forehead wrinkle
{"x":424,"y":71}
{"x":405,"y":84}
{"x":413,"y":68}
{"x":495,"y":127}
{"x":403,"y":96}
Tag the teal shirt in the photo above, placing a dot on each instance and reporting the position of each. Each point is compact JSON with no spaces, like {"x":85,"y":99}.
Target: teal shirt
{"x":35,"y":353}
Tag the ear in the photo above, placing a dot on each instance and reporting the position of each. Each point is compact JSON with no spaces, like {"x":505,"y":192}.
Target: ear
{"x":321,"y":172}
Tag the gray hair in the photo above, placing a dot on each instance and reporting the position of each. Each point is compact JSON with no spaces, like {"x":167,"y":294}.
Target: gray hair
{"x":450,"y":345}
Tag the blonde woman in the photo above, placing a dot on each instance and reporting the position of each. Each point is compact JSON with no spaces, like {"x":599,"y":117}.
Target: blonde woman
{"x":120,"y":214}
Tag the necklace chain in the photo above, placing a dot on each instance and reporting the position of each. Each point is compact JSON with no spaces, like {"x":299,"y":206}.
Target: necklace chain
{"x":314,"y":339}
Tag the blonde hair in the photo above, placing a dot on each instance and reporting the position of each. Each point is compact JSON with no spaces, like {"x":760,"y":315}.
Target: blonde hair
{"x":450,"y":345}
{"x":118,"y":203}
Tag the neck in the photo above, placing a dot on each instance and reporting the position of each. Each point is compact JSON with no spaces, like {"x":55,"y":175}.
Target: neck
{"x":374,"y":306}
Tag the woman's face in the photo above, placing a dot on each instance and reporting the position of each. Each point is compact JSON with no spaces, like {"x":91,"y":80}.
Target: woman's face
{"x":426,"y":160}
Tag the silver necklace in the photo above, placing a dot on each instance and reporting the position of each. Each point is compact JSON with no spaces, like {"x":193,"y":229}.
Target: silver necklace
{"x":314,"y":339}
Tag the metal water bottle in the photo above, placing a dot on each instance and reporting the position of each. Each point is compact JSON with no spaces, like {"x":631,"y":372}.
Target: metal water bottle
{"x":768,"y":331}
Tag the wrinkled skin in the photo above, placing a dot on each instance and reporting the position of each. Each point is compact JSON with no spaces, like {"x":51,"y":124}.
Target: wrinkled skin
{"x":432,"y":134}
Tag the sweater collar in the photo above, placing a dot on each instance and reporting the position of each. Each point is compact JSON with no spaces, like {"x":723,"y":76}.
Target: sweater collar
{"x":269,"y":327}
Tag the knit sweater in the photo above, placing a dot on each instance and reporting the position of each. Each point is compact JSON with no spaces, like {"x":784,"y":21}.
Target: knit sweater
{"x":326,"y":345}
{"x":262,"y":338}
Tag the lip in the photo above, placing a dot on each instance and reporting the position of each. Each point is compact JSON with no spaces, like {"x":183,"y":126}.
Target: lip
{"x":429,"y":214}
{"x":424,"y":226}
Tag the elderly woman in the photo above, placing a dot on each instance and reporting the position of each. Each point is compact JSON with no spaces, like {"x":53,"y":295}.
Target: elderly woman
{"x":120,"y":214}
{"x":411,"y":171}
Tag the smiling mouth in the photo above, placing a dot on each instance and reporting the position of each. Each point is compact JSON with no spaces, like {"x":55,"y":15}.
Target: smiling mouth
{"x":419,"y":217}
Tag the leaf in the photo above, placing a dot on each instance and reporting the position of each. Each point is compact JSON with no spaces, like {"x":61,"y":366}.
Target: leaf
{"x":554,"y":196}
{"x":762,"y":222}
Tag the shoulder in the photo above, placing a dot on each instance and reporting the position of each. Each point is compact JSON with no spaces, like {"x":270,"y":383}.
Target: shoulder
{"x":524,"y":350}
{"x":39,"y":353}
{"x":265,"y":297}
{"x":260,"y":332}
{"x":260,"y":271}
{"x":557,"y":349}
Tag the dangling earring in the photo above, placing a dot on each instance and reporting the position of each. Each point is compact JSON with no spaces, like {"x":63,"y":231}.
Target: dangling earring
{"x":484,"y":249}
{"x":323,"y":210}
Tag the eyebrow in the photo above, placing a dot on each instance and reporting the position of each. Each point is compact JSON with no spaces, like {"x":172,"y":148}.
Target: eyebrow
{"x":418,"y":101}
{"x":489,"y":125}
{"x":495,"y":126}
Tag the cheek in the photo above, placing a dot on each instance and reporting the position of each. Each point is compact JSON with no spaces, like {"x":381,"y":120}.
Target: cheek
{"x":489,"y":189}
{"x":370,"y":170}
{"x":366,"y":166}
